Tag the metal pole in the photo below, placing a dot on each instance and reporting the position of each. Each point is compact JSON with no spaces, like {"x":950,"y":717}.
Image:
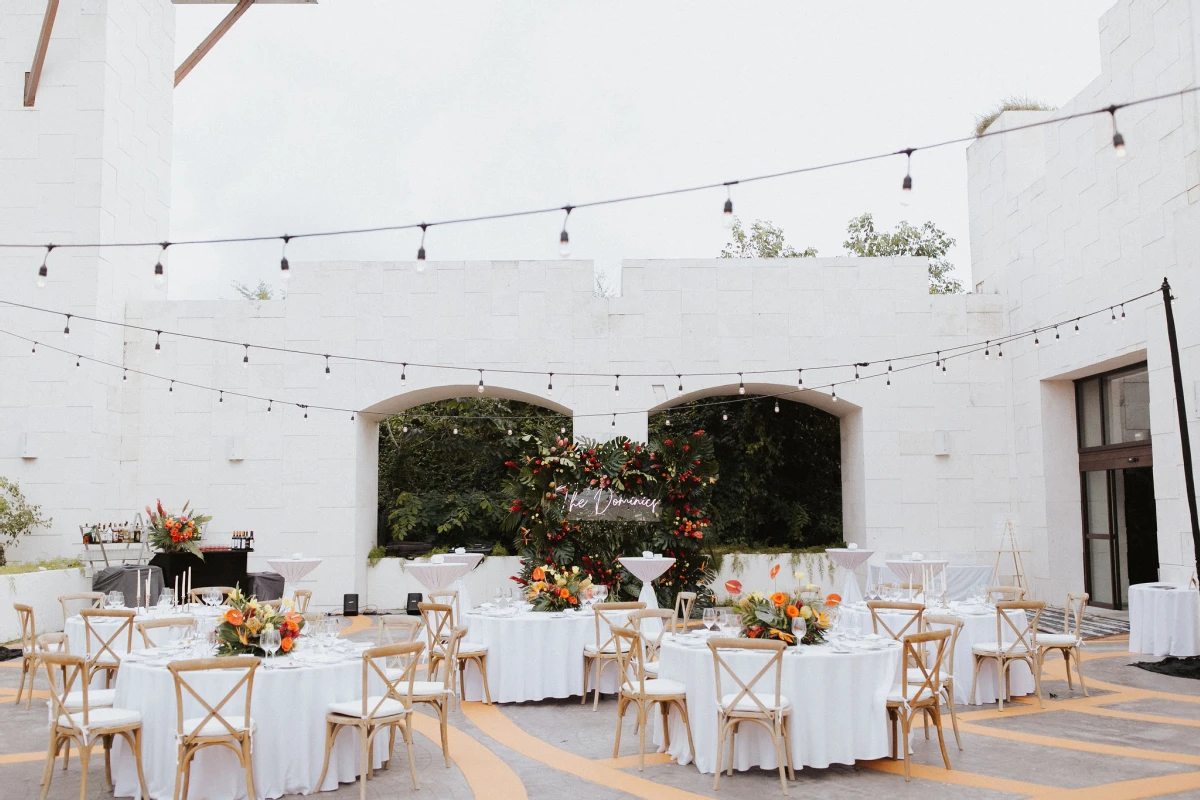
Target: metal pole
{"x":1185,"y":438}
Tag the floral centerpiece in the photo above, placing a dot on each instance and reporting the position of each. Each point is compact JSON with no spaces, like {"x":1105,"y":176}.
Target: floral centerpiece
{"x":776,"y":616}
{"x":243,"y":624}
{"x":174,"y":533}
{"x":552,"y":590}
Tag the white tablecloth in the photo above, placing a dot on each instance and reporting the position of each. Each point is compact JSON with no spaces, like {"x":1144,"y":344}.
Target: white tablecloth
{"x":976,"y":628}
{"x":471,"y":560}
{"x":839,"y":703}
{"x":1163,"y":621}
{"x":535,"y":655}
{"x":646,"y":570}
{"x":288,"y":708}
{"x":77,"y":639}
{"x":293,"y":569}
{"x":849,"y":560}
{"x":960,"y":578}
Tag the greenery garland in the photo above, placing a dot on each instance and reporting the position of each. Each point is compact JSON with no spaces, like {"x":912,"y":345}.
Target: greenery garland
{"x":680,"y":470}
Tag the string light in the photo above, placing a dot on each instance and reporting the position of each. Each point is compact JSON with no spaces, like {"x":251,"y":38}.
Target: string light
{"x":404,"y":375}
{"x":564,"y":240}
{"x":77,"y":359}
{"x":550,"y":386}
{"x":479,"y":388}
{"x":455,"y":430}
{"x":725,"y":416}
{"x":938,"y":363}
{"x":285,"y":272}
{"x":125,"y":375}
{"x":563,"y":429}
{"x":800,"y":378}
{"x":1113,"y":314}
{"x":269,"y":404}
{"x":67,"y":329}
{"x":160,"y":275}
{"x":510,"y":430}
{"x":680,"y":377}
{"x":327,"y":373}
{"x":741,"y":384}
{"x":1122,"y":312}
{"x":617,"y":384}
{"x":906,"y":184}
{"x":1118,"y":140}
{"x":44,"y":269}
{"x":856,"y":379}
{"x":987,"y":354}
{"x":668,"y":419}
{"x":889,"y":374}
{"x":158,"y":341}
{"x":421,"y":249}
{"x":614,"y":421}
{"x":246,"y":357}
{"x":999,"y":351}
{"x":727,"y":211}
{"x":1036,"y":343}
{"x":1056,"y":336}
{"x":404,"y":428}
{"x":776,"y":406}
{"x":1077,"y":326}
{"x":305,"y":411}
{"x":221,"y":397}
{"x":833,"y":388}
{"x":34,"y":351}
{"x":171,"y":389}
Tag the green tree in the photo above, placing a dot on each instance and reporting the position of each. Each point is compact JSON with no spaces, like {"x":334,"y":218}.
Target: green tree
{"x":17,"y":516}
{"x":764,"y":240}
{"x":927,"y":241}
{"x":264,"y":290}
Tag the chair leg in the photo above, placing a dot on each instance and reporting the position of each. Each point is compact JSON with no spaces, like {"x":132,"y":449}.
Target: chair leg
{"x":187,"y":771}
{"x":600,"y":664}
{"x":906,"y":727}
{"x":136,"y":745}
{"x":84,"y":755}
{"x":948,"y":688}
{"x":21,"y":688}
{"x":48,"y":772}
{"x":1078,"y":666}
{"x":777,"y":735}
{"x":937,"y":722}
{"x":1066,"y":654}
{"x":248,"y":766}
{"x":721,"y":726}
{"x":487,"y":693}
{"x":1001,"y":681}
{"x":895,"y":735}
{"x":665,"y":710}
{"x":974,"y":682}
{"x":364,"y":763}
{"x":1037,"y":680}
{"x":687,"y":726}
{"x":733,"y":729}
{"x":587,"y":671}
{"x":412,"y":764}
{"x":641,"y":736}
{"x":107,"y":740}
{"x":329,"y":734}
{"x":180,"y":755}
{"x":444,"y":724}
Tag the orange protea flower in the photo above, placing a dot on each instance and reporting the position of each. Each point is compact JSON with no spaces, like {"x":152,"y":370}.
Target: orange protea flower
{"x":564,"y":593}
{"x":234,"y":617}
{"x":285,"y":644}
{"x":774,"y":571}
{"x":793,"y":612}
{"x":779,"y":598}
{"x":538,"y":574}
{"x":833,"y":600}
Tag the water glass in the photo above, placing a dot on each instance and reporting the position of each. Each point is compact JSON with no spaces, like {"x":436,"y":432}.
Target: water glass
{"x":600,"y":591}
{"x":115,"y":599}
{"x":268,"y":640}
{"x":709,"y":618}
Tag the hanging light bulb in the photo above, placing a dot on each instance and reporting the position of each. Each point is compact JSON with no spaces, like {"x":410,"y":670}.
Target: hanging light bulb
{"x":776,"y":406}
{"x":479,"y":388}
{"x":404,"y":374}
{"x":77,"y":360}
{"x":727,"y":212}
{"x":680,"y":379}
{"x":1118,"y":140}
{"x":404,"y":428}
{"x":34,"y":351}
{"x":421,"y":249}
{"x":563,"y":429}
{"x":907,"y":183}
{"x":800,"y":378}
{"x":269,"y":404}
{"x":171,"y":388}
{"x":1036,"y":343}
{"x":1000,"y":351}
{"x":285,"y":272}
{"x":305,"y":411}
{"x":352,"y":416}
{"x":833,"y":388}
{"x":157,"y":342}
{"x":160,"y":275}
{"x":987,"y":354}
{"x":938,"y":363}
{"x":1056,"y":336}
{"x":889,"y":374}
{"x":221,"y":396}
{"x":614,"y":421}
{"x":246,"y":357}
{"x":668,"y":419}
{"x":67,"y":329}
{"x":1113,"y":314}
{"x":725,"y":416}
{"x":741,"y":384}
{"x":550,"y":386}
{"x":856,"y":378}
{"x":327,"y":373}
{"x":125,"y":374}
{"x":456,"y":430}
{"x":44,"y":270}
{"x":1077,"y":326}
{"x":564,"y":241}
{"x":617,"y":384}
{"x":510,"y":430}
{"x":1122,"y":312}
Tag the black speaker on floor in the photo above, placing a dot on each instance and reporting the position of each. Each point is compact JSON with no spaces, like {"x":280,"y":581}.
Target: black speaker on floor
{"x":413,"y":599}
{"x":349,"y":605}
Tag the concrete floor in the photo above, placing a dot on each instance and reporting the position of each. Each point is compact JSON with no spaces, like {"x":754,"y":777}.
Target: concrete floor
{"x":1135,"y":736}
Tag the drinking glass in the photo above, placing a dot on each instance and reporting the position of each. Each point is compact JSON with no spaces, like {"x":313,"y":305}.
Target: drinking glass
{"x":834,"y":615}
{"x":268,"y":640}
{"x":601,"y":592}
{"x":166,"y":600}
{"x":498,"y":601}
{"x":709,"y":618}
{"x":116,"y":599}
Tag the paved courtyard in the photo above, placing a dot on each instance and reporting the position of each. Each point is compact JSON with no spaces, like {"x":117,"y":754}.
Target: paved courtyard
{"x":1134,"y":737}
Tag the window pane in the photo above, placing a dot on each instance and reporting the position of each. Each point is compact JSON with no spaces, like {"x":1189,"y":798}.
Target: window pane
{"x":1087,"y":408}
{"x":1099,"y":550}
{"x":1128,"y":407}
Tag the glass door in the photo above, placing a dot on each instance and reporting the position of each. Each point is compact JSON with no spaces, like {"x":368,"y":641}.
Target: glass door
{"x":1100,"y":566}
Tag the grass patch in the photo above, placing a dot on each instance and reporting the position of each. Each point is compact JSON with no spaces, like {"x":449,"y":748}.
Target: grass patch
{"x":35,"y":566}
{"x":1013,"y":103}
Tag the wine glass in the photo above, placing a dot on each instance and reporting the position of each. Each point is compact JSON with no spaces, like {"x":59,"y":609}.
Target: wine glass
{"x":709,"y":618}
{"x":601,"y":592}
{"x":834,"y":616}
{"x":268,"y":640}
{"x":116,"y":599}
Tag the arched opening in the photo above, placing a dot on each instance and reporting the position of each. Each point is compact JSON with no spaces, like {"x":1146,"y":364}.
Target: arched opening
{"x":780,"y":461}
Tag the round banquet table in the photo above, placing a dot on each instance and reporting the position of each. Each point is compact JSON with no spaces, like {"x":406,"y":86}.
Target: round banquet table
{"x":977,"y":628}
{"x":1164,"y":621}
{"x":535,"y":654}
{"x":849,"y":560}
{"x":646,"y":570}
{"x":460,"y":585}
{"x":77,"y":637}
{"x":839,"y":704}
{"x":293,"y":570}
{"x":288,"y":745}
{"x":960,"y":578}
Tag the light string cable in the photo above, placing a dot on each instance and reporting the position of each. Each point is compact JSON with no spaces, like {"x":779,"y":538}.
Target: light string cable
{"x":907,"y":152}
{"x":962,"y":351}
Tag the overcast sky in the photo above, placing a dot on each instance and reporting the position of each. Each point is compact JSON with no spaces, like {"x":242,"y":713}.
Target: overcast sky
{"x":371,"y":112}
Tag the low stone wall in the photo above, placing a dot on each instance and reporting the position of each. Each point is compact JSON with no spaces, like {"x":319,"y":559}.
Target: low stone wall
{"x":40,"y":590}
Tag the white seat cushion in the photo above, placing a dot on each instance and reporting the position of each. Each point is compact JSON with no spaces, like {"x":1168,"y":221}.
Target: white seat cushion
{"x":214,"y":728}
{"x":896,"y":695}
{"x":651,"y":668}
{"x":1058,"y":639}
{"x":747,"y":704}
{"x":916,"y":677}
{"x":99,"y":718}
{"x":991,"y":648}
{"x":591,"y":649}
{"x":97,"y":698}
{"x":353,"y":708}
{"x":658,"y":686}
{"x":426,"y":688}
{"x":470,"y":648}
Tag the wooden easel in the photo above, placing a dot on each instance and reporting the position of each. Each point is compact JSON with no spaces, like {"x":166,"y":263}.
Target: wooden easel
{"x":1009,"y":546}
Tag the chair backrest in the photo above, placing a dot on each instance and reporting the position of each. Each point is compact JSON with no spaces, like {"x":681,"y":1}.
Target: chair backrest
{"x":275,"y":604}
{"x":1025,"y":634}
{"x":684,"y":603}
{"x":631,"y":655}
{"x":399,"y":688}
{"x":97,"y":646}
{"x":397,"y":628}
{"x":182,"y":670}
{"x":302,"y":597}
{"x":144,"y":628}
{"x":88,"y":600}
{"x":197,"y":595}
{"x":51,"y":643}
{"x":28,"y":632}
{"x":1074,"y":609}
{"x":605,"y":620}
{"x":949,"y":623}
{"x":439,"y":624}
{"x":916,"y":652}
{"x":1003,"y":593}
{"x":448,"y":597}
{"x":665,"y":616}
{"x":915,"y":610}
{"x":313,"y":616}
{"x":771,"y":670}
{"x":73,"y":668}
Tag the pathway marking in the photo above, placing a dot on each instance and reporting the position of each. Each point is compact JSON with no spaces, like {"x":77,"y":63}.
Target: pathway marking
{"x":486,"y":773}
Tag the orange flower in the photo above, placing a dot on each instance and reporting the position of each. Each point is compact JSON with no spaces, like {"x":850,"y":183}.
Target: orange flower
{"x":285,"y":644}
{"x":293,"y":619}
{"x":779,"y":598}
{"x":774,"y":571}
{"x":733,"y":586}
{"x":539,"y":574}
{"x":793,"y":612}
{"x":833,"y":600}
{"x":234,"y":617}
{"x":573,"y":600}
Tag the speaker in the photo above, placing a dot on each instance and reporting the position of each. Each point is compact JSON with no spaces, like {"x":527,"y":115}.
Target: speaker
{"x":349,"y":605}
{"x":413,"y":599}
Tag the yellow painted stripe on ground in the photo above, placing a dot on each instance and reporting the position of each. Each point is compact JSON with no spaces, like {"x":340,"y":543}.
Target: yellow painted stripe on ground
{"x":1083,"y":747}
{"x":359,"y":623}
{"x":491,"y":721}
{"x":486,"y":773}
{"x":956,"y":777}
{"x":625,"y":762}
{"x":40,"y":755}
{"x":1134,"y":789}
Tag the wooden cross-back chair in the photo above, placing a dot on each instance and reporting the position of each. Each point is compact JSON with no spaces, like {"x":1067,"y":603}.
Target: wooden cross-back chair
{"x":213,"y":729}
{"x":1068,"y":642}
{"x":300,"y":599}
{"x":771,"y":711}
{"x":644,"y":693}
{"x":904,"y":701}
{"x":145,"y":627}
{"x":100,"y":649}
{"x":372,"y":714}
{"x":954,"y":625}
{"x":88,"y":599}
{"x":448,"y":597}
{"x":439,"y":625}
{"x":684,"y":603}
{"x":398,"y":628}
{"x":28,"y":650}
{"x":82,"y":723}
{"x":1022,"y":646}
{"x":914,"y":624}
{"x":604,"y":651}
{"x":1006,"y":593}
{"x":197,"y":595}
{"x":652,"y":642}
{"x":436,"y":694}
